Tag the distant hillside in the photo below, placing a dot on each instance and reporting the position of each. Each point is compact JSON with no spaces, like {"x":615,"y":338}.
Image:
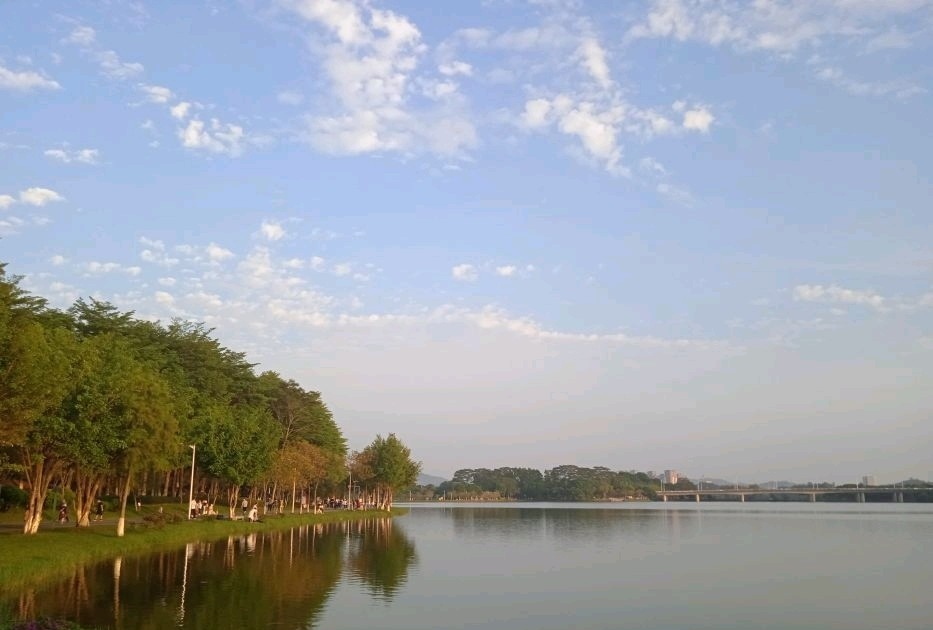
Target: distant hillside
{"x":430,"y":480}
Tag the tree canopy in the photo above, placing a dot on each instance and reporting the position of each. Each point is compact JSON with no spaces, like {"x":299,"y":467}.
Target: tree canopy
{"x":94,"y":400}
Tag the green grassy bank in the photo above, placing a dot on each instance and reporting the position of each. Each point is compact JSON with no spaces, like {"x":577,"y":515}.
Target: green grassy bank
{"x":31,"y":560}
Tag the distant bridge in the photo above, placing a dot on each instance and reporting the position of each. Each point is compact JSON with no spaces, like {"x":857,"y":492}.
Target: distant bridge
{"x":739,"y":494}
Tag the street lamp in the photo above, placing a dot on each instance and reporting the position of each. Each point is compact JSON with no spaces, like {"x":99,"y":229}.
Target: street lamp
{"x":350,"y":489}
{"x":194,"y":448}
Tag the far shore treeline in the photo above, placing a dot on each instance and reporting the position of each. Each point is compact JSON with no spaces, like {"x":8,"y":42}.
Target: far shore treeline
{"x":561,"y":483}
{"x":94,"y":401}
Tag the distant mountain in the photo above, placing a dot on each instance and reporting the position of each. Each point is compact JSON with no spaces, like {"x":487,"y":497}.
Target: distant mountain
{"x":430,"y":480}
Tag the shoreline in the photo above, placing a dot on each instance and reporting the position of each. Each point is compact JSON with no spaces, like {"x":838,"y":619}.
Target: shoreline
{"x":34,"y":559}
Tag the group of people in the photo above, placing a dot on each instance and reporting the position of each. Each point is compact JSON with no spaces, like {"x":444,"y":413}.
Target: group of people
{"x":200,"y":508}
{"x":63,"y":512}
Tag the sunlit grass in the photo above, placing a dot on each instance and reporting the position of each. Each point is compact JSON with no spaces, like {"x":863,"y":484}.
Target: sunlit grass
{"x":57,"y":549}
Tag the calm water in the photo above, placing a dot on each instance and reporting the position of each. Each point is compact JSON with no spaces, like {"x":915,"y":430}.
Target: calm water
{"x":529,"y":566}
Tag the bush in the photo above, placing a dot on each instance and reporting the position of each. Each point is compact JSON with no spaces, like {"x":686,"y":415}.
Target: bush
{"x":158,"y":519}
{"x":11,"y":496}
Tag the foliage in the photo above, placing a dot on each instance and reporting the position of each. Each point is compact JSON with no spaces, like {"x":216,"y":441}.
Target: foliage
{"x":95,"y":401}
{"x":387,"y":465}
{"x":562,"y":483}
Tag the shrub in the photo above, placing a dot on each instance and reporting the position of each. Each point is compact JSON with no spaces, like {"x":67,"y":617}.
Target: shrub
{"x":11,"y":496}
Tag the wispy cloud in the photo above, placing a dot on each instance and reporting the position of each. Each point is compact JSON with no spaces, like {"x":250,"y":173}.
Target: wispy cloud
{"x":371,"y":57}
{"x":25,"y":81}
{"x":464,"y":272}
{"x":83,"y":156}
{"x":838,"y":295}
{"x":39,"y":196}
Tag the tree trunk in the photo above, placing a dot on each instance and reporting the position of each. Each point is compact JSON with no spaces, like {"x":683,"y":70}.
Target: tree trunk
{"x":87,"y":486}
{"x":294,"y":485}
{"x":124,"y":495}
{"x":39,"y":474}
{"x":233,"y":495}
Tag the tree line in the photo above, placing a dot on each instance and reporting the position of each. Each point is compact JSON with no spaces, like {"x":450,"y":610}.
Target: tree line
{"x":93,"y":399}
{"x":561,"y":483}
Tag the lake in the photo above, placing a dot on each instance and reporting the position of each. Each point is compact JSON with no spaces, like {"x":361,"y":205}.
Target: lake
{"x":533,"y":566}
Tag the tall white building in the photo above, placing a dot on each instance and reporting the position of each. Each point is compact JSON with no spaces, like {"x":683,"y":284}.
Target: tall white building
{"x":869,"y":480}
{"x":671,"y":476}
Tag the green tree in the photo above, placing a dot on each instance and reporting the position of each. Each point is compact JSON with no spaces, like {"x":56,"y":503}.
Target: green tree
{"x":238,"y":446}
{"x":392,"y":467}
{"x":34,"y":362}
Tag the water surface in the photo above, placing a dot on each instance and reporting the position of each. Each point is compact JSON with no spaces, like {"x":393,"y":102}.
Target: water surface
{"x":534,"y":566}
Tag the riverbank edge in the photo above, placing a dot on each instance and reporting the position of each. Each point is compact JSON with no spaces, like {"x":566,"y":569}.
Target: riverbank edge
{"x":30,"y":561}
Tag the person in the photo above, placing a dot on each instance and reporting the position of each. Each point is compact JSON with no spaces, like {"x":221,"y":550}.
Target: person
{"x":99,"y":511}
{"x":245,"y":506}
{"x":254,"y":514}
{"x":193,"y":509}
{"x":63,"y":513}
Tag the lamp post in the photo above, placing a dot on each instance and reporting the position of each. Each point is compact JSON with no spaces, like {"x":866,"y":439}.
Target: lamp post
{"x":194,"y":448}
{"x":350,"y":489}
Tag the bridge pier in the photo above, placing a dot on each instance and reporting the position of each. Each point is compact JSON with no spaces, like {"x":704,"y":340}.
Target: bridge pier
{"x":664,"y":498}
{"x":812,"y":497}
{"x":860,"y":497}
{"x":742,"y":498}
{"x":698,"y":497}
{"x":898,"y":497}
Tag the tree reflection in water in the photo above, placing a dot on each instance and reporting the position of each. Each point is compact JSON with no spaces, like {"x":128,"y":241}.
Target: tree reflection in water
{"x":381,"y":557}
{"x":280,"y":579}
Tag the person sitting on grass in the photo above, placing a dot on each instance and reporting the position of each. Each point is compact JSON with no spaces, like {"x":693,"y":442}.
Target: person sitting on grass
{"x":253,"y":514}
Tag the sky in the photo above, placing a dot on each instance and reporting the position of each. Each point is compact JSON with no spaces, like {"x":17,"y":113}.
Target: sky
{"x":686,"y":234}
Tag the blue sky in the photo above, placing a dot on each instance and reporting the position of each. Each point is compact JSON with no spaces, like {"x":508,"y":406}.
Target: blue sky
{"x":690,"y":234}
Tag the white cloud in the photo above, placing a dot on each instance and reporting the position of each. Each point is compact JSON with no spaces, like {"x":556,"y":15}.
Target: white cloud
{"x":164,"y":298}
{"x":537,"y":113}
{"x":597,"y":132}
{"x":82,"y":36}
{"x":156,"y":93}
{"x":838,"y":295}
{"x":84,"y":156}
{"x":768,"y":25}
{"x":788,"y":27}
{"x":898,"y":89}
{"x":506,"y":271}
{"x":39,"y":196}
{"x":113,"y":67}
{"x":674,"y":193}
{"x":6,"y":201}
{"x":58,"y":260}
{"x":25,"y":81}
{"x":455,"y":68}
{"x":317,"y":263}
{"x":217,"y":253}
{"x":371,"y":57}
{"x":289,"y":97}
{"x":651,"y":165}
{"x":217,"y":137}
{"x":594,"y":60}
{"x":343,"y":269}
{"x":272,"y":231}
{"x":167,"y":281}
{"x":96,"y":267}
{"x":698,"y":119}
{"x":153,"y":243}
{"x":180,"y":111}
{"x":464,"y":272}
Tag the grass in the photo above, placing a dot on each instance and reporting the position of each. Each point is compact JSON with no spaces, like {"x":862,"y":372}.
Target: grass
{"x":32,"y":560}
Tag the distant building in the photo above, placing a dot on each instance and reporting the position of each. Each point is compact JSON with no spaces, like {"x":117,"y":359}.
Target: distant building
{"x":671,"y":476}
{"x":869,"y":480}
